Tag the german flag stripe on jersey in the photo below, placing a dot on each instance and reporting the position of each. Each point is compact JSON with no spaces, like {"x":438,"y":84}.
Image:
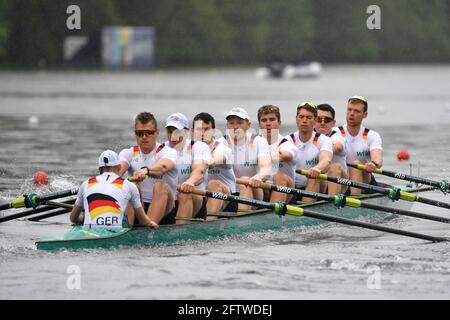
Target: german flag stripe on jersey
{"x":118,"y":183}
{"x":92,"y":182}
{"x":293,"y":138}
{"x":341,"y":129}
{"x":365,"y":133}
{"x":136,"y":151}
{"x":100,"y":204}
{"x":316,"y":138}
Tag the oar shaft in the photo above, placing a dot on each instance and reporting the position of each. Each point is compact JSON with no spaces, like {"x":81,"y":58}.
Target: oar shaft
{"x":49,"y":215}
{"x":399,"y":175}
{"x":433,"y":202}
{"x":280,"y":208}
{"x":361,"y":224}
{"x":348,"y":201}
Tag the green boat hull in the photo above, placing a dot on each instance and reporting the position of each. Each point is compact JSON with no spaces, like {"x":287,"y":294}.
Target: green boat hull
{"x":85,"y":237}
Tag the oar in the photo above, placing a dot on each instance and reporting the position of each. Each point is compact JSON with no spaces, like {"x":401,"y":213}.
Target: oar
{"x":51,"y":206}
{"x":341,"y":201}
{"x":49,"y":215}
{"x":282,"y":209}
{"x":33,"y":200}
{"x":443,"y":185}
{"x":392,"y":193}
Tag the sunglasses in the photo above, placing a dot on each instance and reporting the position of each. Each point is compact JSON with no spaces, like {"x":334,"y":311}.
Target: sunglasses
{"x":324,"y":119}
{"x":147,"y":133}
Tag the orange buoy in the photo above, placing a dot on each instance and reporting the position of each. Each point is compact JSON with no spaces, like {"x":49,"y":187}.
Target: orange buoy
{"x":40,"y":179}
{"x":403,"y":155}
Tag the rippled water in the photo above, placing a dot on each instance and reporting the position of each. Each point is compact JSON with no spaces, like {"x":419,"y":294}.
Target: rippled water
{"x":81,"y":114}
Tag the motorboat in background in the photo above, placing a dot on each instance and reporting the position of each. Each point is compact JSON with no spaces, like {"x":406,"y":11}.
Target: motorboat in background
{"x":279,"y":69}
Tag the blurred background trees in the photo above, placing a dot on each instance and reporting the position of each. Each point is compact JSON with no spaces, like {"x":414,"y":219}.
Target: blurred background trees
{"x":236,"y":32}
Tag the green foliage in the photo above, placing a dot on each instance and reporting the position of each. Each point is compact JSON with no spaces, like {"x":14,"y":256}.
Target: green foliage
{"x":236,"y":31}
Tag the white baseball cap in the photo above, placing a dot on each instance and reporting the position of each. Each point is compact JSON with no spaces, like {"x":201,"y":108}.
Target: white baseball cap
{"x":177,"y":120}
{"x":238,"y":112}
{"x":108,"y":158}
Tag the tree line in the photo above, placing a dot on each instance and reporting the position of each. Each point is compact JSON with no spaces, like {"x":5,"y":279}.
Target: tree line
{"x":237,"y":32}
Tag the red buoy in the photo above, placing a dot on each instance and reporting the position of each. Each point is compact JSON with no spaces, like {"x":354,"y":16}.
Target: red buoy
{"x":40,"y":179}
{"x":403,"y":155}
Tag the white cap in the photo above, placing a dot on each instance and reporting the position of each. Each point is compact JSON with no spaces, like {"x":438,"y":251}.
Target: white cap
{"x":108,"y":158}
{"x":238,"y":112}
{"x":177,"y":120}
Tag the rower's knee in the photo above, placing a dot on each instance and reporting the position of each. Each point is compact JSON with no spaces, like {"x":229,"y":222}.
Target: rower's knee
{"x":214,"y":185}
{"x":280,"y":178}
{"x":160,"y":188}
{"x":184,"y":196}
{"x":335,"y":170}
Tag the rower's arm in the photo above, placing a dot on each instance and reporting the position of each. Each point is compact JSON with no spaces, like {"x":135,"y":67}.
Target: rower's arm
{"x":325,"y":158}
{"x":337,"y":147}
{"x":265,"y":167}
{"x":285,"y":156}
{"x":75,"y":216}
{"x":376,"y":155}
{"x":124,"y":166}
{"x":162,"y":166}
{"x":198,"y":173}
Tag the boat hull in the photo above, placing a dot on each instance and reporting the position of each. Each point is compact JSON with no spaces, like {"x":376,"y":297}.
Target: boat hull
{"x":261,"y":220}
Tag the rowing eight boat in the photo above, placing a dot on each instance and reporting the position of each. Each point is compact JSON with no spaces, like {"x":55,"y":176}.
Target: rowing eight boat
{"x":228,"y":224}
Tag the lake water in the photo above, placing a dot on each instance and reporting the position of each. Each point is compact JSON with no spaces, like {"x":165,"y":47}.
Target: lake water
{"x":76,"y":115}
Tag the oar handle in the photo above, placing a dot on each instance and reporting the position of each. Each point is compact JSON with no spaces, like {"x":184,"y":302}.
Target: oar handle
{"x":246,"y":182}
{"x":196,"y":191}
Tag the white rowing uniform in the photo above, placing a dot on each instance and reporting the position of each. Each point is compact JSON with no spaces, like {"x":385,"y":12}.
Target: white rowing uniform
{"x":360,"y":146}
{"x":136,"y":159}
{"x":283,"y":144}
{"x":222,"y":172}
{"x":308,"y":155}
{"x":340,"y":157}
{"x":245,"y":156}
{"x":105,"y":198}
{"x":192,"y":151}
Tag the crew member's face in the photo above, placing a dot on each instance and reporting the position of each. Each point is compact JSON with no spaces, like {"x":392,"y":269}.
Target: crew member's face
{"x":268,"y":124}
{"x":176,"y":136}
{"x":324,"y":122}
{"x":237,"y":127}
{"x":203,"y":131}
{"x":146,"y":134}
{"x":305,"y":120}
{"x":355,"y":113}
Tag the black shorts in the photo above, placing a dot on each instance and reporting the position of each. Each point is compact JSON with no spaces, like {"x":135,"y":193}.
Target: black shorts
{"x":232,"y":206}
{"x":167,"y":219}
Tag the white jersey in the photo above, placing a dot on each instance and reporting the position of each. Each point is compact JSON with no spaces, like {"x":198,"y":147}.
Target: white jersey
{"x":359,"y":147}
{"x":223,"y":172}
{"x":105,"y":198}
{"x":308,"y":155}
{"x":340,"y":157}
{"x":283,"y":144}
{"x":192,"y":151}
{"x":245,"y":156}
{"x":136,"y":159}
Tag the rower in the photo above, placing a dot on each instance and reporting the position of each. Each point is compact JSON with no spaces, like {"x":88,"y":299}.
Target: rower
{"x":363,"y":145}
{"x":105,"y":197}
{"x":221,"y":176}
{"x":284,"y":153}
{"x":153,"y":165}
{"x":315,"y":149}
{"x":193,"y":158}
{"x":251,"y":154}
{"x":325,"y":124}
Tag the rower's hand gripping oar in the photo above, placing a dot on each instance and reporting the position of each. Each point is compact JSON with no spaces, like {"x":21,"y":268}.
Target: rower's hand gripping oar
{"x":33,"y":200}
{"x":341,"y":201}
{"x":392,"y":193}
{"x":444,"y":185}
{"x":282,"y":209}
